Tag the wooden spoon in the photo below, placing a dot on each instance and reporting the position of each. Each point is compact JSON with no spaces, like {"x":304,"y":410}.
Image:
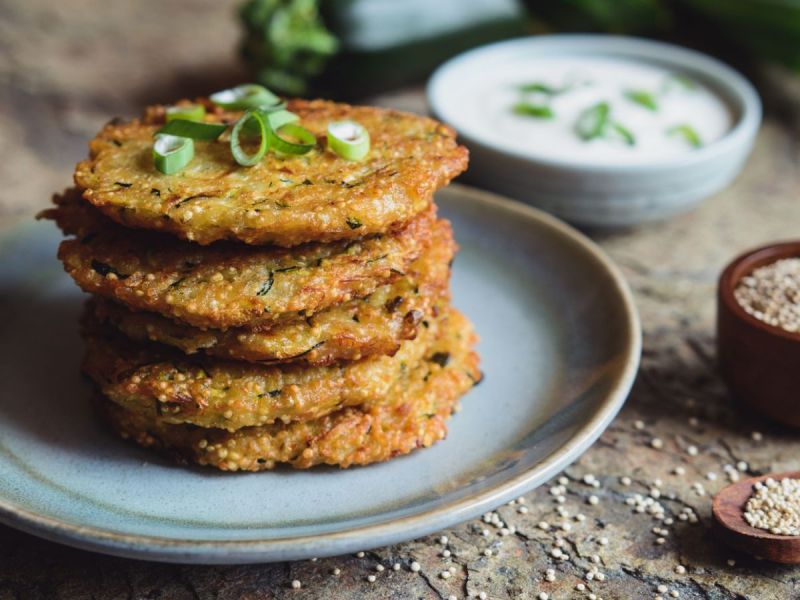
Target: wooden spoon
{"x":728,"y":509}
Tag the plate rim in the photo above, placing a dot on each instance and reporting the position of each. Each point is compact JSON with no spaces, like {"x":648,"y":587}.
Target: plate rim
{"x":166,"y":549}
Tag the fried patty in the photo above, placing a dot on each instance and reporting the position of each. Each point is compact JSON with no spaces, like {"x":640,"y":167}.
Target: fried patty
{"x":157,"y":381}
{"x":285,"y":200}
{"x":413,"y":416}
{"x":374,"y":325}
{"x":226,"y":284}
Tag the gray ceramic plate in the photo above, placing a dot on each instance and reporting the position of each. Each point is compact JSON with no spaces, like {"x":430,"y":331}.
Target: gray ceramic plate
{"x":560,"y":346}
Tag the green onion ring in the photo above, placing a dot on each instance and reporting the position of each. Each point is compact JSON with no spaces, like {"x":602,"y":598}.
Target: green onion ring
{"x":191,"y":112}
{"x":171,"y":153}
{"x":348,"y":139}
{"x":193,"y":129}
{"x":307,"y":139}
{"x":277,"y":119}
{"x":242,"y":97}
{"x":241,"y":157}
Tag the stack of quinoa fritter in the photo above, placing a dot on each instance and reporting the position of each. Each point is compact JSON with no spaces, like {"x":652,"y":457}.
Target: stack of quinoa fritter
{"x":296,"y":311}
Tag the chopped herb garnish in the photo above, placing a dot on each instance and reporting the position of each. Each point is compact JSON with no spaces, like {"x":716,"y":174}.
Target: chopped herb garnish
{"x":624,"y":133}
{"x":264,"y":289}
{"x":593,"y":122}
{"x":441,"y":358}
{"x":541,"y":88}
{"x":537,"y":111}
{"x":688,"y":133}
{"x":676,"y":80}
{"x":353,"y":223}
{"x":642,"y":98}
{"x":274,"y":393}
{"x":155,"y":192}
{"x":123,"y":184}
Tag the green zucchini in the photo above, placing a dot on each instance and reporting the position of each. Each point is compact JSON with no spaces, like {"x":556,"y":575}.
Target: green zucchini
{"x":350,"y":48}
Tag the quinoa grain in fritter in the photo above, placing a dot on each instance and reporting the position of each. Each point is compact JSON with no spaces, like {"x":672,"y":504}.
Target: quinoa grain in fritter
{"x":227,"y":285}
{"x":413,"y":416}
{"x":155,"y":380}
{"x":377,"y":324}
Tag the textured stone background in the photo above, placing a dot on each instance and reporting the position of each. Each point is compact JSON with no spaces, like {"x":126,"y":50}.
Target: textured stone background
{"x":65,"y":68}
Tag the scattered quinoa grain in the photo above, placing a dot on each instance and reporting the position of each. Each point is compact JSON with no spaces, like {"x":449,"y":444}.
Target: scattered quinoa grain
{"x":296,"y":585}
{"x":415,"y":567}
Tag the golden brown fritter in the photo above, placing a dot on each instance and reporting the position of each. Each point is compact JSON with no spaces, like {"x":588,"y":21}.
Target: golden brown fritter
{"x":284,"y":201}
{"x":227,"y":285}
{"x":157,"y":381}
{"x":374,"y":325}
{"x":413,"y":416}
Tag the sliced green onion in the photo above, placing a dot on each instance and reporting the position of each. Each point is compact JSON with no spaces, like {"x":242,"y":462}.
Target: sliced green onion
{"x":242,"y":97}
{"x":593,"y":121}
{"x":307,"y":141}
{"x":688,"y":133}
{"x":538,"y":111}
{"x":642,"y":98}
{"x":239,"y":155}
{"x":624,"y":133}
{"x":171,"y":153}
{"x":348,"y":139}
{"x":193,"y":129}
{"x":277,"y":119}
{"x":191,"y":112}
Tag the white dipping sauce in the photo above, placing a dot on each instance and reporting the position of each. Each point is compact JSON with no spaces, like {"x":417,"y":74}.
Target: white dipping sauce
{"x":491,"y":96}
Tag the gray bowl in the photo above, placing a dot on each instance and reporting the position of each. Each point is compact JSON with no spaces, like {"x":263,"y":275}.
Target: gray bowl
{"x":605,"y":195}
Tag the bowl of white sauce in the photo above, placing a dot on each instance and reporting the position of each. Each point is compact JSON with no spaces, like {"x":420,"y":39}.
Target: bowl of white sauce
{"x":600,"y":130}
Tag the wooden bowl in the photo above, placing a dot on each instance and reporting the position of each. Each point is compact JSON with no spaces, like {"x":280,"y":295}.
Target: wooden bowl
{"x":759,"y":362}
{"x":734,"y":530}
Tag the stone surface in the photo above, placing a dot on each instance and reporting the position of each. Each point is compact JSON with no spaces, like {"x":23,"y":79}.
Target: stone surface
{"x":65,"y":68}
